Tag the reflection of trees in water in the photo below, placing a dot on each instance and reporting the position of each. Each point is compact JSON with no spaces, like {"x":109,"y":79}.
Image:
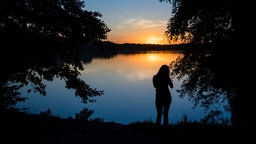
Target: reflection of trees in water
{"x":31,"y":68}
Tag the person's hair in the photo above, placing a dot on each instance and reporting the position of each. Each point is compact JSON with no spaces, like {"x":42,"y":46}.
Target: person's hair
{"x":164,"y":71}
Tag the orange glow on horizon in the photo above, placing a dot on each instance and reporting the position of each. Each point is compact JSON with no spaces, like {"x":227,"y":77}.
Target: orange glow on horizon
{"x":154,"y":35}
{"x":140,"y":32}
{"x":142,"y":39}
{"x":154,"y":40}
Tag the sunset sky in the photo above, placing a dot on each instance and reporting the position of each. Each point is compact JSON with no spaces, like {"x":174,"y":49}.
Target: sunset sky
{"x":133,"y":21}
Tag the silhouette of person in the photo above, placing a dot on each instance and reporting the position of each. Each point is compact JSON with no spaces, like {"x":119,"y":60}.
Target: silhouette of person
{"x":163,"y":99}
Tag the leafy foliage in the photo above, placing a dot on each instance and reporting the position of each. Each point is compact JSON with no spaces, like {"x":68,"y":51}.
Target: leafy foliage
{"x":201,"y":21}
{"x":41,"y":41}
{"x":84,"y":115}
{"x":202,"y":81}
{"x":224,"y":24}
{"x":56,"y":18}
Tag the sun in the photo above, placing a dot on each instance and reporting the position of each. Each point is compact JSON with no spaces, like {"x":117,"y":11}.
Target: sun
{"x":153,"y":40}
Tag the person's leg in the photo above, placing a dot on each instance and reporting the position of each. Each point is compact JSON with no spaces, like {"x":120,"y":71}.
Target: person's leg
{"x":159,"y":110}
{"x":166,"y":112}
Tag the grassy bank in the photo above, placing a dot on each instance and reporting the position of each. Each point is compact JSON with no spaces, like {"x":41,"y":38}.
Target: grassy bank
{"x":19,"y":128}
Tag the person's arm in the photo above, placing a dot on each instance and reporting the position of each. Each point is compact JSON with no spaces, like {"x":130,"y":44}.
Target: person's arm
{"x":170,"y":83}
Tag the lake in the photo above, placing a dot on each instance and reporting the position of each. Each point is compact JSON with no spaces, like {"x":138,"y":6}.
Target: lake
{"x":129,"y":95}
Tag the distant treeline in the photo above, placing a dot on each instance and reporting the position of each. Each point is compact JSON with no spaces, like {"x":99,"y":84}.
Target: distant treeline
{"x":132,"y":47}
{"x":144,"y":47}
{"x":107,"y":50}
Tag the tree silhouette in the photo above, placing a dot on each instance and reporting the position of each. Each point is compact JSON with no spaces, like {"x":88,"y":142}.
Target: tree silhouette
{"x":223,"y":29}
{"x":56,"y":18}
{"x":201,"y":21}
{"x":41,"y":40}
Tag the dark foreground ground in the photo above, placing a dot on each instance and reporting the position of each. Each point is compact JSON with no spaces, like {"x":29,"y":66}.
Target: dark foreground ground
{"x":18,"y":128}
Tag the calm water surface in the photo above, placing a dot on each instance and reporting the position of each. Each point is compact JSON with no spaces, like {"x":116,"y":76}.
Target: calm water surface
{"x":129,"y":95}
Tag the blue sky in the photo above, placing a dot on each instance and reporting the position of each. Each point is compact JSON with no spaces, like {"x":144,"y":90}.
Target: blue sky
{"x":133,"y":21}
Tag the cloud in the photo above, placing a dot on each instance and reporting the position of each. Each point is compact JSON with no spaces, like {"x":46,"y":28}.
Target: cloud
{"x":130,"y":21}
{"x":141,"y":23}
{"x":144,"y":23}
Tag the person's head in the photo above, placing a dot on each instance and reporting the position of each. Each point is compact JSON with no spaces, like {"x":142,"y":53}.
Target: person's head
{"x":164,"y":70}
